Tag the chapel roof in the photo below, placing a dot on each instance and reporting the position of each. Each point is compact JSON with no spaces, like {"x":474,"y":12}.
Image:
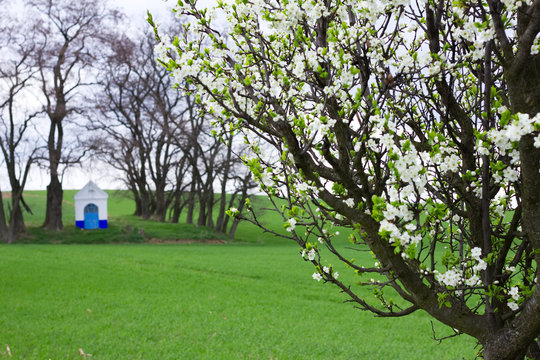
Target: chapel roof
{"x":90,"y":191}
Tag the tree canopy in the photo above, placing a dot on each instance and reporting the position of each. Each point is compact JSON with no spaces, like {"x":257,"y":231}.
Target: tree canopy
{"x":415,"y":124}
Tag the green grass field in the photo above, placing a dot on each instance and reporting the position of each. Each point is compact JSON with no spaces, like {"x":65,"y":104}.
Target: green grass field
{"x":249,"y":299}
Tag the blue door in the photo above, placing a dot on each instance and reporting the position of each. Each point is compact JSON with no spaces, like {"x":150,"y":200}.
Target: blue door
{"x":91,"y":218}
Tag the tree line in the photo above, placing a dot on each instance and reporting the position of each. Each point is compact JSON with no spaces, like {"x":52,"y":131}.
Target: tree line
{"x":77,"y":82}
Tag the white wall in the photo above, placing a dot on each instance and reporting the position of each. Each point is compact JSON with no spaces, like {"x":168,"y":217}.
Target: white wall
{"x":80,"y":205}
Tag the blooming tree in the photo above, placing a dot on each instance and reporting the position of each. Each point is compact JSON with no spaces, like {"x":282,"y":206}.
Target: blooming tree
{"x":415,"y":124}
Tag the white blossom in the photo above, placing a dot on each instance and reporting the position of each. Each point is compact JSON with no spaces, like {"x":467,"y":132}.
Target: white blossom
{"x":476,"y":253}
{"x":290,"y":224}
{"x":510,"y":175}
{"x":473,"y":280}
{"x":482,"y":265}
{"x":537,"y":141}
{"x":513,"y":306}
{"x":302,"y":186}
{"x":514,"y":293}
{"x":350,"y":202}
{"x":452,"y":277}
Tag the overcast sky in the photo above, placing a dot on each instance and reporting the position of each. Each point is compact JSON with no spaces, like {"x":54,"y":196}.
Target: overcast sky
{"x":136,"y":9}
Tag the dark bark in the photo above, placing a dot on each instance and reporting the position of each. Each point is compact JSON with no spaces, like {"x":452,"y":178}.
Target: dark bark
{"x":53,"y":212}
{"x":4,"y":235}
{"x":520,"y":336}
{"x":191,"y":203}
{"x":516,"y":338}
{"x":203,"y":203}
{"x":179,"y":202}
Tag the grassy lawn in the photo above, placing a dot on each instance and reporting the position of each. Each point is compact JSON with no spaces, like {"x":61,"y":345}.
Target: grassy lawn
{"x":252,"y":298}
{"x":192,"y":302}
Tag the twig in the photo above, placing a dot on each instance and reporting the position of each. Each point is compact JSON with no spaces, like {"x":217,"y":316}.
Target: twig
{"x":440,"y":340}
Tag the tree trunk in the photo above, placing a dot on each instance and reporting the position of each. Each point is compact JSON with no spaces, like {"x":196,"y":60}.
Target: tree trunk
{"x":191,"y":203}
{"x":53,"y":212}
{"x":234,"y":226}
{"x":210,"y":209}
{"x":177,"y":211}
{"x":146,"y":204}
{"x":514,"y":343}
{"x":221,"y":215}
{"x":223,"y":198}
{"x":16,"y":222}
{"x":3,"y":224}
{"x":236,"y":221}
{"x":176,"y":207}
{"x":161,"y":204}
{"x":137,"y":199}
{"x":201,"y":221}
{"x":519,"y":337}
{"x":195,"y":191}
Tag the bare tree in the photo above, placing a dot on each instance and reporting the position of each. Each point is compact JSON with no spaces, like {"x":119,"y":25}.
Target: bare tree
{"x":71,"y":33}
{"x":140,"y":118}
{"x":17,"y":145}
{"x":168,"y":112}
{"x":157,"y":137}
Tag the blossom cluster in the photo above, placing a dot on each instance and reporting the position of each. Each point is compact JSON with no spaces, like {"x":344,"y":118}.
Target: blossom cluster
{"x":470,"y":276}
{"x":273,"y":69}
{"x":327,"y":272}
{"x":506,"y":138}
{"x":514,"y":294}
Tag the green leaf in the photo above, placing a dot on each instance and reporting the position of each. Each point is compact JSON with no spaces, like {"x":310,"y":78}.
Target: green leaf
{"x":505,"y":118}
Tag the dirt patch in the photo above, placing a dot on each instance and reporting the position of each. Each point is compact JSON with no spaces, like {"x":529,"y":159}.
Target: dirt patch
{"x":186,"y":241}
{"x":6,"y":195}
